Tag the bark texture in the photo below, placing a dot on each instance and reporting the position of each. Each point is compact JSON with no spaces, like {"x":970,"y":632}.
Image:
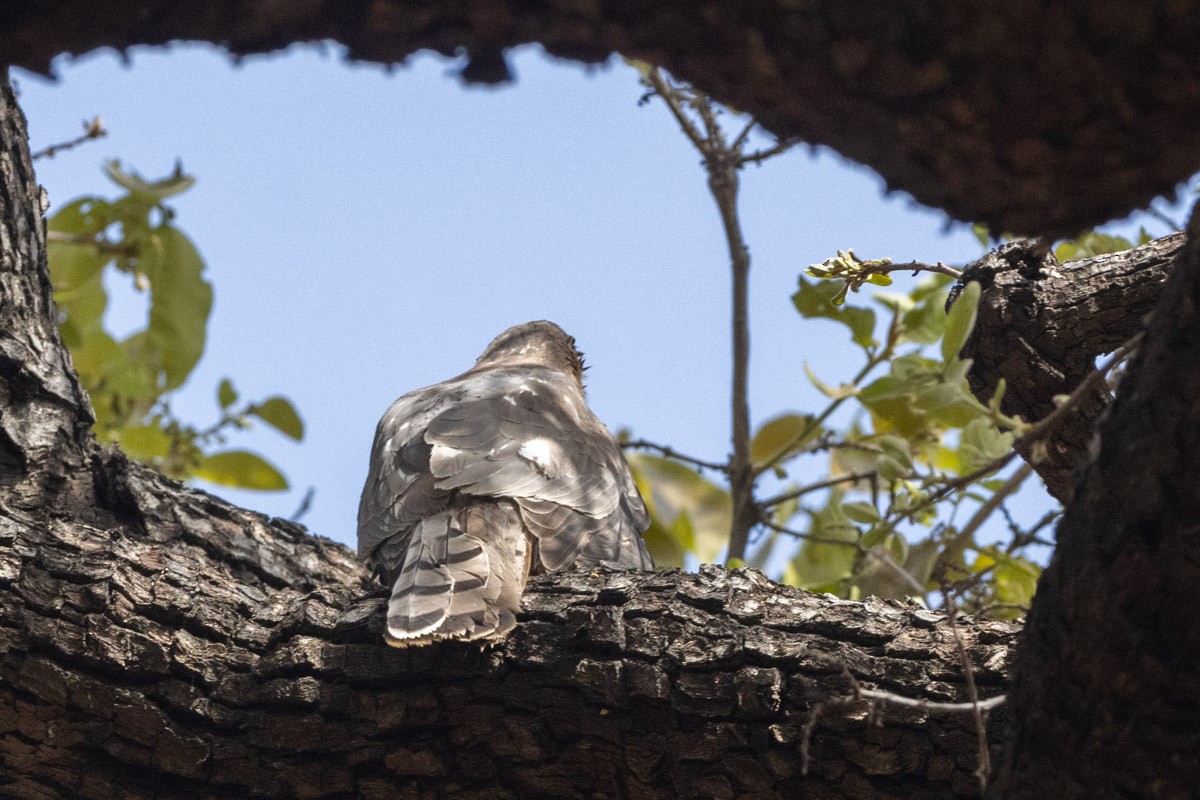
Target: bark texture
{"x":1110,"y":662}
{"x":157,"y":642}
{"x":188,"y":656}
{"x":1041,"y":327}
{"x":1035,"y":117}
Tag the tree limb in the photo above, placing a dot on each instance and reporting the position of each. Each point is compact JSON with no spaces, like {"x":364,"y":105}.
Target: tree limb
{"x":1042,"y":325}
{"x":1035,"y":118}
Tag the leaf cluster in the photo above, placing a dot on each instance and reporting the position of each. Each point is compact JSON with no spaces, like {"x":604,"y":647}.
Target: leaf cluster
{"x":131,"y":380}
{"x":899,"y":463}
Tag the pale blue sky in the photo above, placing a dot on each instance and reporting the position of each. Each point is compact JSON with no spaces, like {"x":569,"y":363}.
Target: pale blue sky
{"x":368,"y":233}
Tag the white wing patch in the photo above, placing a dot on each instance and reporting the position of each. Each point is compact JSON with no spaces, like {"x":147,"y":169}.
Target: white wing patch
{"x":544,"y":453}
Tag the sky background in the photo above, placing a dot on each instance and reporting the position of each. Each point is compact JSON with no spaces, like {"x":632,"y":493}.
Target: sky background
{"x":369,"y":233}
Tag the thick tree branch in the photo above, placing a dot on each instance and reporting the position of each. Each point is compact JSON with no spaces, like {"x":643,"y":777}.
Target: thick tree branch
{"x":1041,"y":327}
{"x":198,"y":650}
{"x":1038,"y":118}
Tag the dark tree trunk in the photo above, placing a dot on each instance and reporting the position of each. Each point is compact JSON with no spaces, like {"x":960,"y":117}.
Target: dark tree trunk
{"x":1109,"y":670}
{"x":1041,"y":327}
{"x":1036,"y":117}
{"x":157,"y":642}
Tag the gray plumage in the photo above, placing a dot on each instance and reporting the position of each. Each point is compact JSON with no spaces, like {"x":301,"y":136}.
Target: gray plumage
{"x":479,"y":481}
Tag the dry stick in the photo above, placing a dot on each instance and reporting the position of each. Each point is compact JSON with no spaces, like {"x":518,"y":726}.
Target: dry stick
{"x":984,"y":768}
{"x":874,"y":695}
{"x":932,"y":707}
{"x":91,"y":130}
{"x":667,"y":92}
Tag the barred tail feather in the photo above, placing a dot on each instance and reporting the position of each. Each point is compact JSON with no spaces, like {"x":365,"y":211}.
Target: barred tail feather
{"x":462,"y":578}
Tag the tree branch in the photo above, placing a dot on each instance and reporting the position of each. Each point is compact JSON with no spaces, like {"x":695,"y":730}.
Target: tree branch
{"x":844,"y":75}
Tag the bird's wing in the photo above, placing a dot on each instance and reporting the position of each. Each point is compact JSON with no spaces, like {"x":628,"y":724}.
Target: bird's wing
{"x":399,"y":491}
{"x":528,"y":435}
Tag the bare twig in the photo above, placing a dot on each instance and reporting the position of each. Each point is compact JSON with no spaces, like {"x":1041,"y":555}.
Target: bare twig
{"x":808,"y":537}
{"x":670,"y":95}
{"x":915,"y":267}
{"x":792,"y":494}
{"x":984,"y":766}
{"x":955,"y":546}
{"x":305,"y":505}
{"x":1162,"y":217}
{"x":740,"y":139}
{"x":667,"y":452}
{"x":931,"y":707}
{"x":93,"y":129}
{"x":760,"y":156}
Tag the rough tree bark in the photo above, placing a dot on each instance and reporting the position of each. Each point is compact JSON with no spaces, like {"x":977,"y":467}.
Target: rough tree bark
{"x":1037,"y":117}
{"x":156,"y":642}
{"x":1042,"y":325}
{"x":1109,"y":667}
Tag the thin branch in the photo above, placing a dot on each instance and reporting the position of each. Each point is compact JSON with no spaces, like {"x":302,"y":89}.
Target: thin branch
{"x":932,"y":707}
{"x":760,"y":156}
{"x":853,"y":477}
{"x":984,"y":768}
{"x":670,"y":96}
{"x":1162,"y":217}
{"x":808,"y":537}
{"x":667,"y":452}
{"x":954,"y":547}
{"x":91,"y":130}
{"x":883,"y":556}
{"x":305,"y":505}
{"x":740,"y":139}
{"x":915,"y":267}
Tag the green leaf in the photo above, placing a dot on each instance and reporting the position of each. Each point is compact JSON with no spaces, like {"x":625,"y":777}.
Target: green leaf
{"x":859,"y":511}
{"x":173,"y":184}
{"x":820,"y":563}
{"x":982,"y":234}
{"x":241,"y":469}
{"x":981,"y":443}
{"x":280,"y":414}
{"x":836,"y":393}
{"x":926,"y":323}
{"x":1090,"y":244}
{"x":180,"y":302}
{"x":145,"y":442}
{"x":960,"y":321}
{"x":226,"y":394}
{"x":781,"y":437}
{"x":821,"y":300}
{"x":685,"y":505}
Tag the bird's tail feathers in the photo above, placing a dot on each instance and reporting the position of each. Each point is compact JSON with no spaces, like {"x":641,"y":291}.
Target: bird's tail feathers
{"x":463,"y":574}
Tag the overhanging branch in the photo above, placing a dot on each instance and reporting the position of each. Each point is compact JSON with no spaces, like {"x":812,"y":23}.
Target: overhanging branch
{"x":1037,"y":118}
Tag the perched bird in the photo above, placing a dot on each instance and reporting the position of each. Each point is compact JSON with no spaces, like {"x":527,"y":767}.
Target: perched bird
{"x":477,"y":482}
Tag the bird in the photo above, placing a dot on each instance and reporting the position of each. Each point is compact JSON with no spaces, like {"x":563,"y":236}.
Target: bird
{"x":482,"y":480}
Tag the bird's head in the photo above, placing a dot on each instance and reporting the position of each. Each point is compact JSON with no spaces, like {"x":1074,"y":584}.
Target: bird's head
{"x":539,"y":342}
